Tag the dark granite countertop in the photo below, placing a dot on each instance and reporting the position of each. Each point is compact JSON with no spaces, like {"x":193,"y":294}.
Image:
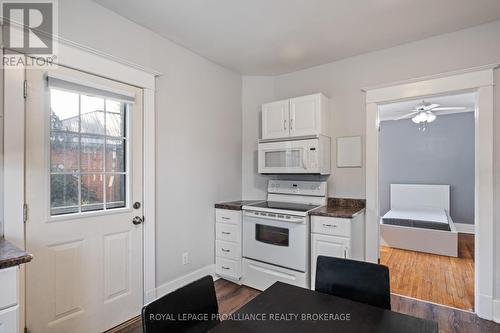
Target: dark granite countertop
{"x":11,"y":255}
{"x":235,"y":205}
{"x":341,"y":208}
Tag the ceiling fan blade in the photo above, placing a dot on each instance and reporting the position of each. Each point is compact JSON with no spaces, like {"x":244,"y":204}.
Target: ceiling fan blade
{"x":408,"y":115}
{"x":449,"y":108}
{"x":431,"y":106}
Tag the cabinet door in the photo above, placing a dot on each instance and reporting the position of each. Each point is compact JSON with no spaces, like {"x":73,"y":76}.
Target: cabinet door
{"x":305,"y":115}
{"x":275,"y":120}
{"x":331,"y":246}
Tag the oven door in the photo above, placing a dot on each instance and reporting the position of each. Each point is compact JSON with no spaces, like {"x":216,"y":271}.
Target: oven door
{"x":275,"y":241}
{"x":297,"y":156}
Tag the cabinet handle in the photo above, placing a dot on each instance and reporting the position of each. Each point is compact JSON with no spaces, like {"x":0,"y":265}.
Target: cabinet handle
{"x":224,"y":250}
{"x":226,"y":233}
{"x":225,"y":218}
{"x":224,"y":267}
{"x":329,"y":225}
{"x":291,"y":124}
{"x":284,"y":124}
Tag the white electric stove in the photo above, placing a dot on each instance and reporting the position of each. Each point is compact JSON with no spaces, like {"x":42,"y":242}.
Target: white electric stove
{"x":276,"y":234}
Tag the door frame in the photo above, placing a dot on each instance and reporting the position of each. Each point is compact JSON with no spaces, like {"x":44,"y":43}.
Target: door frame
{"x":85,"y":59}
{"x":481,"y":81}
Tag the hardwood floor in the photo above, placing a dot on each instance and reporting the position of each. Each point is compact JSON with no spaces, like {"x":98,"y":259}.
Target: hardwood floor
{"x":434,"y":278}
{"x":231,"y":297}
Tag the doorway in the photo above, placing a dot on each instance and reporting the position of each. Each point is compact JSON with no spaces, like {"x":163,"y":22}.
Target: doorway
{"x":426,"y":197}
{"x":479,"y":80}
{"x":83,"y":175}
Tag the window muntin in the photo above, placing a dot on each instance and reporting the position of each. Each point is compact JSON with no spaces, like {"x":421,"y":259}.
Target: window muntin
{"x":88,"y":153}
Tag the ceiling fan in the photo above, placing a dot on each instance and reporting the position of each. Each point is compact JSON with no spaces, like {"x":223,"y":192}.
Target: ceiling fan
{"x":424,"y":113}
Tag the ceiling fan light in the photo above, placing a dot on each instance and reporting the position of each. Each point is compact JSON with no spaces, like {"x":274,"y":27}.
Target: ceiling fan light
{"x":430,"y":117}
{"x":419,"y":118}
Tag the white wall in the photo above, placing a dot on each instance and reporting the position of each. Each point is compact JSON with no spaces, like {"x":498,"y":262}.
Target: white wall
{"x":256,"y":90}
{"x":199,"y":123}
{"x":343,"y":80}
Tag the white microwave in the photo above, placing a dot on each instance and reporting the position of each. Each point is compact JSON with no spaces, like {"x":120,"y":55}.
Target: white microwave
{"x":307,"y":156}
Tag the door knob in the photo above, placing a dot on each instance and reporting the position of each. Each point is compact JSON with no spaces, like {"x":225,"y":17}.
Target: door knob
{"x":137,"y":220}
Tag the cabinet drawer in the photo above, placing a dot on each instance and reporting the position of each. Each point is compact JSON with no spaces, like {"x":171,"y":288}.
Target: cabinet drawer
{"x":9,"y":319}
{"x":227,"y":267}
{"x":331,"y":226}
{"x":228,"y":216}
{"x":8,"y":287}
{"x":228,"y":232}
{"x":227,"y":249}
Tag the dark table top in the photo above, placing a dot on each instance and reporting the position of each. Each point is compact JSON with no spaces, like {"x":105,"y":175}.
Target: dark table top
{"x":286,"y":308}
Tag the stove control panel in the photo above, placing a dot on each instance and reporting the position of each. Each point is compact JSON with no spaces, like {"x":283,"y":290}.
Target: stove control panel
{"x":297,"y":187}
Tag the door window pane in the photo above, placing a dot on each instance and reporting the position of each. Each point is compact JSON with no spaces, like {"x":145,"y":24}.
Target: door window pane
{"x":92,"y":192}
{"x":115,"y":190}
{"x":64,"y":149}
{"x":64,"y":110}
{"x":63,"y":194}
{"x":115,"y":118}
{"x":92,"y":115}
{"x":92,"y":153}
{"x":88,"y":142}
{"x":115,"y":155}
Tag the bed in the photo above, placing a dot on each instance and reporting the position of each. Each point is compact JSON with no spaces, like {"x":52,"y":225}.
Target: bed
{"x":419,"y":220}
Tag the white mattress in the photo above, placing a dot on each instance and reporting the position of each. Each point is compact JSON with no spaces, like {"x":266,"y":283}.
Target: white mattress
{"x":433,"y":215}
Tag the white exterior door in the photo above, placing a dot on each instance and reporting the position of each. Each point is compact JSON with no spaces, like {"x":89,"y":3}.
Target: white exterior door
{"x":275,"y":120}
{"x":305,"y":115}
{"x":83,"y":176}
{"x":330,"y":246}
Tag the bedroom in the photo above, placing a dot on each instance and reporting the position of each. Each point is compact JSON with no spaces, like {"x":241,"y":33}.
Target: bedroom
{"x":426,"y":190}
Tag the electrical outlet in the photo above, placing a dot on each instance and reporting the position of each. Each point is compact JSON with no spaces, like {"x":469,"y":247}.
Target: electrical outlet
{"x":185,"y":258}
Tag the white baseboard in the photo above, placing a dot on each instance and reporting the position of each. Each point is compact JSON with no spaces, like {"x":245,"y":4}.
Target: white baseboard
{"x":183,"y":280}
{"x":496,"y":311}
{"x":484,"y":307}
{"x":465,"y":228}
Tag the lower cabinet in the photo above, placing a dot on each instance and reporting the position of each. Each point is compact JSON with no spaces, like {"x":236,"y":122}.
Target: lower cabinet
{"x":9,"y":320}
{"x":9,"y":300}
{"x":336,"y":237}
{"x":228,"y":258}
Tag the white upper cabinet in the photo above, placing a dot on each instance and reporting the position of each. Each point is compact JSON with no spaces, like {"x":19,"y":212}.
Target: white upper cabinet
{"x":275,"y":119}
{"x":295,"y":117}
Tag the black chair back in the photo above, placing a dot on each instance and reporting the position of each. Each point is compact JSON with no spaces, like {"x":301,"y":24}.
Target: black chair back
{"x":192,"y":308}
{"x":355,"y":280}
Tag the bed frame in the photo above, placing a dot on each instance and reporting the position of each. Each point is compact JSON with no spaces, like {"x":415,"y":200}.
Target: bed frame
{"x":420,"y":239}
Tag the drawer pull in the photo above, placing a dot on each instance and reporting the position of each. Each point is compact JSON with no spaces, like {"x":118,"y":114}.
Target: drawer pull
{"x":226,"y":268}
{"x":226,"y":233}
{"x":224,"y":250}
{"x":329,"y":225}
{"x":225,"y":218}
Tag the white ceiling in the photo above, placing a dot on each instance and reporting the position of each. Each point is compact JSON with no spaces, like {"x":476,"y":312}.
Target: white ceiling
{"x":268,"y":37}
{"x":399,"y":109}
